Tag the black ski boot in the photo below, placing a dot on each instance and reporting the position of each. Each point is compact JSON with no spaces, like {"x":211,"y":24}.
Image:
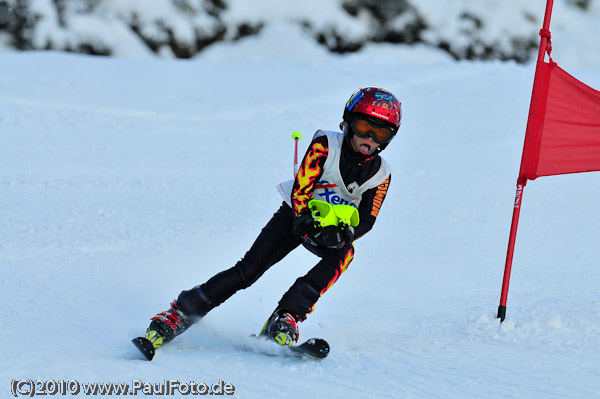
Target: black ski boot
{"x":167,"y":325}
{"x":190,"y":306}
{"x":282,"y":327}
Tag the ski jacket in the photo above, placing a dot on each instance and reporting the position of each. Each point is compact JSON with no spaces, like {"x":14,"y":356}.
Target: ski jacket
{"x":331,"y":171}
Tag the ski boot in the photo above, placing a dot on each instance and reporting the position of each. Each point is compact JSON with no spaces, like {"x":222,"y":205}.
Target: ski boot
{"x":282,"y":327}
{"x":167,"y":325}
{"x":190,"y":306}
{"x":163,"y":328}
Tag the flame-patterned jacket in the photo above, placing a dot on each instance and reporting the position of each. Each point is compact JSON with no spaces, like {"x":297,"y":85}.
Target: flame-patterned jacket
{"x":331,"y":171}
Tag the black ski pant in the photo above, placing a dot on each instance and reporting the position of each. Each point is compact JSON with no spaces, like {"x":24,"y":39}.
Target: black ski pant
{"x":275,"y":241}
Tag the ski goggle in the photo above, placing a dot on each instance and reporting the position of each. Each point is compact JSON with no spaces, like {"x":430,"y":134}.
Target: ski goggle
{"x":364,"y":129}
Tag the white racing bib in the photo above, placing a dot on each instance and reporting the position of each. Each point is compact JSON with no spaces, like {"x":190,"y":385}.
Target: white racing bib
{"x":331,"y":187}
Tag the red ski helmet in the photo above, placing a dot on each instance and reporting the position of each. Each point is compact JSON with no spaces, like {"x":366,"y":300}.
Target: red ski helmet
{"x":379,"y":104}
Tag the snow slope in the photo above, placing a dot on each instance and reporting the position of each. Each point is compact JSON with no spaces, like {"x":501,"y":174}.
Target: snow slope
{"x":125,"y":181}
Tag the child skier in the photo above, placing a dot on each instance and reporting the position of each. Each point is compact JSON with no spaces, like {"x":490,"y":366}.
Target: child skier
{"x":339,"y":168}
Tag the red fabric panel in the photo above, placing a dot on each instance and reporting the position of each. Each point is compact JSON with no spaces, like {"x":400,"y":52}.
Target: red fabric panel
{"x":563,"y":130}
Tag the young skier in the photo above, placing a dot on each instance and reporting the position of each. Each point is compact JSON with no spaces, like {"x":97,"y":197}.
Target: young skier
{"x":339,"y":168}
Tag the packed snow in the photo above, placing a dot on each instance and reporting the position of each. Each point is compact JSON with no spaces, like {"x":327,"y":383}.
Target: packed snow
{"x":125,"y":181}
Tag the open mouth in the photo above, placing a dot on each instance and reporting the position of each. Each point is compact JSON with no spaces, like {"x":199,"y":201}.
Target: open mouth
{"x":364,"y":149}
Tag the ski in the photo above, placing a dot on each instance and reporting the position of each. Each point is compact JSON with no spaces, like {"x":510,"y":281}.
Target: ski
{"x":314,"y":347}
{"x":145,"y":346}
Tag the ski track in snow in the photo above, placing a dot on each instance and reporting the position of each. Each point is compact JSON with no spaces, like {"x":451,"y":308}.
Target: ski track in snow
{"x":124,"y":182}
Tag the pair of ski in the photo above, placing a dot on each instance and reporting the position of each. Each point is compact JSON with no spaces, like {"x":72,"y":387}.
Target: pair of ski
{"x":315,"y":348}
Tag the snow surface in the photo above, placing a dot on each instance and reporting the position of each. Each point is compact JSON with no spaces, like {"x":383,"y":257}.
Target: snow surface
{"x":125,"y":181}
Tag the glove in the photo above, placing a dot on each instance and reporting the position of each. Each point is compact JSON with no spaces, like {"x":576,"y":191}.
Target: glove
{"x":348,"y":233}
{"x":304,"y":224}
{"x":335,"y":237}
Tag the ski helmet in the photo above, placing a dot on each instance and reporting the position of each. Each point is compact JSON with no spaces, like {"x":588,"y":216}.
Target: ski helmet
{"x":376,"y":104}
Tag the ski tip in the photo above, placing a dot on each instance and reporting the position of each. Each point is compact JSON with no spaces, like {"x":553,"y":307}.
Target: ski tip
{"x":316,"y":348}
{"x":145,"y":346}
{"x":322,"y":347}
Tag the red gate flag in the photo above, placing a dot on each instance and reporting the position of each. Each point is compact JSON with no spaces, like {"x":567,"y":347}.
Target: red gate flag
{"x":563,"y":132}
{"x":562,"y":135}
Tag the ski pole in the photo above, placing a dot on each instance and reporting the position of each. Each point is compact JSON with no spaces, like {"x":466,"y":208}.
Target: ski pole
{"x":296,"y":136}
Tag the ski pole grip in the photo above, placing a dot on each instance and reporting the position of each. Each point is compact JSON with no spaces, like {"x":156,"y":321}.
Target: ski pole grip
{"x":323,"y":213}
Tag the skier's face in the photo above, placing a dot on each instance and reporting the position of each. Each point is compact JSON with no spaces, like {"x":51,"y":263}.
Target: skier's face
{"x":364,"y":146}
